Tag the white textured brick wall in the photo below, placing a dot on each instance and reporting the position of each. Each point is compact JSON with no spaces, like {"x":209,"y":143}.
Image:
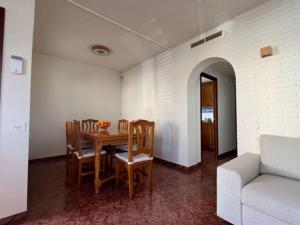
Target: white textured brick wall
{"x":268,"y":90}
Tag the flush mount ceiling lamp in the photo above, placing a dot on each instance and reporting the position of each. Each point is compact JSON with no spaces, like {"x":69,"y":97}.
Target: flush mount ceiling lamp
{"x":100,"y":50}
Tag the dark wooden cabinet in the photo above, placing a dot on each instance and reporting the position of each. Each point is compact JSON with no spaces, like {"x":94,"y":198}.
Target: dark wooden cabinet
{"x":208,"y":136}
{"x":207,"y":97}
{"x":208,"y":127}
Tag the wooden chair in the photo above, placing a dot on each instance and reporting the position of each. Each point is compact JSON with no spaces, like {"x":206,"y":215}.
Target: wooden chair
{"x":85,"y":157}
{"x":70,"y":148}
{"x":89,"y":126}
{"x":140,"y":153}
{"x":112,"y":149}
{"x":123,"y":126}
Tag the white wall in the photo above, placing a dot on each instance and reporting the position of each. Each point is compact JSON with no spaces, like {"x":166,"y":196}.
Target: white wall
{"x":150,"y":91}
{"x":268,"y":90}
{"x":15,"y":106}
{"x":65,"y":90}
{"x":227,"y":134}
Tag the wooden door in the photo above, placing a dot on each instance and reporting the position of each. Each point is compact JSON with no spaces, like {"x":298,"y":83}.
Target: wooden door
{"x":209,"y":129}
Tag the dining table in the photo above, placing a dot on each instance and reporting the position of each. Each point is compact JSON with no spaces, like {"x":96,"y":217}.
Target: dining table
{"x":100,"y":139}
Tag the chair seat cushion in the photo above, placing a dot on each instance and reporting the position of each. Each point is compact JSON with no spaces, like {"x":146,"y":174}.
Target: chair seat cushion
{"x":86,"y":144}
{"x":275,"y":196}
{"x":135,"y":159}
{"x":88,"y":153}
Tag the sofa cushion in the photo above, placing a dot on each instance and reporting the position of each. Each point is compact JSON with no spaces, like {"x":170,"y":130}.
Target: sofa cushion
{"x":280,"y":156}
{"x":274,"y":196}
{"x":254,"y":217}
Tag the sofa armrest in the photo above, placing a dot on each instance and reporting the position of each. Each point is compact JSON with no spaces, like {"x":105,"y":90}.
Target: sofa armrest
{"x":231,"y":178}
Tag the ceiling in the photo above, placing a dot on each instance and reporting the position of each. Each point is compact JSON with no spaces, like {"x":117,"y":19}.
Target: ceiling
{"x":68,"y":31}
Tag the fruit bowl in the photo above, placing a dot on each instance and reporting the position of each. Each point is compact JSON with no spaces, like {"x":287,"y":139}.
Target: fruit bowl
{"x":104,"y":124}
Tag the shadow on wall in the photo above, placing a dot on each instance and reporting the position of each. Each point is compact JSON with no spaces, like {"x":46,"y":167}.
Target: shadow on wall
{"x":167,"y":131}
{"x":157,"y":97}
{"x":163,"y":81}
{"x":148,"y":91}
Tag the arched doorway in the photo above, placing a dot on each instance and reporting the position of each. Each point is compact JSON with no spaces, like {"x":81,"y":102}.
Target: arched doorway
{"x":210,"y":65}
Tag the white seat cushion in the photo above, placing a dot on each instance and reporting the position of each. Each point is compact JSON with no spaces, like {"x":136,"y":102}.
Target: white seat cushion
{"x":88,"y":153}
{"x":135,"y":159}
{"x":274,"y":196}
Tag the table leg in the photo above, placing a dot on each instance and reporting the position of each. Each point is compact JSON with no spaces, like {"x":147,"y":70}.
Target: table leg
{"x":98,"y":182}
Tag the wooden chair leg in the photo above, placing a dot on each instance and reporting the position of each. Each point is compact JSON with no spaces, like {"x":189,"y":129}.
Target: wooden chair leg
{"x":117,"y":173}
{"x":73,"y":167}
{"x":104,"y":163}
{"x":68,"y":166}
{"x":150,"y":177}
{"x":130,"y":181}
{"x":112,"y":151}
{"x":79,"y":173}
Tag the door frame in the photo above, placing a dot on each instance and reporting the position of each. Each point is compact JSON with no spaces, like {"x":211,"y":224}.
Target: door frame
{"x":215,"y":82}
{"x":2,"y":20}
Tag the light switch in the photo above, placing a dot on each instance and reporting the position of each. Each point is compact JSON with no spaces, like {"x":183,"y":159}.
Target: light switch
{"x":16,"y":64}
{"x":17,"y":127}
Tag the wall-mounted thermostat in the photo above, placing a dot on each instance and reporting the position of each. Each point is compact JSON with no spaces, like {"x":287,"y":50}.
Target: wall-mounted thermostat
{"x":16,"y":64}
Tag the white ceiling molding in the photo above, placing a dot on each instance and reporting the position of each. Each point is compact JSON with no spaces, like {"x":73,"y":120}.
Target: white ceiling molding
{"x":99,"y":15}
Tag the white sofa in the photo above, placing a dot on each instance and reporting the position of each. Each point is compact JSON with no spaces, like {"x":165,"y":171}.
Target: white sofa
{"x":262,"y":189}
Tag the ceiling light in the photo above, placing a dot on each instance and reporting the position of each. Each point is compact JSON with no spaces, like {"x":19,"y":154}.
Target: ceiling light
{"x":100,"y":50}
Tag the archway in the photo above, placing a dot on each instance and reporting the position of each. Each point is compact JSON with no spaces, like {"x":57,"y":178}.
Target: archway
{"x":193,"y":103}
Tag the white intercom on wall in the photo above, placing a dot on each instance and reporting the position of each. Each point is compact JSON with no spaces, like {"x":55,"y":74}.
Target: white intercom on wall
{"x":16,"y":65}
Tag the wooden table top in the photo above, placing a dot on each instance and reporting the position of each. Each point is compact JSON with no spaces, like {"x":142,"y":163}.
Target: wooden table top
{"x":105,"y":133}
{"x":107,"y":136}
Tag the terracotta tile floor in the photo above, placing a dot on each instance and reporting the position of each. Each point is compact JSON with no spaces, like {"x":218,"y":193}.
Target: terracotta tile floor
{"x":177,"y":198}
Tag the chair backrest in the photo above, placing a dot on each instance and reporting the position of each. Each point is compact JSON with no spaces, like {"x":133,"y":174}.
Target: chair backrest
{"x":89,"y":125}
{"x":280,"y":156}
{"x":77,"y":136}
{"x":141,"y":138}
{"x":123,"y":126}
{"x":69,"y":134}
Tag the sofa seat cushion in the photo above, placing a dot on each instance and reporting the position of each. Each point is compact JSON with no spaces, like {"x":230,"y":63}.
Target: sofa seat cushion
{"x":274,"y":196}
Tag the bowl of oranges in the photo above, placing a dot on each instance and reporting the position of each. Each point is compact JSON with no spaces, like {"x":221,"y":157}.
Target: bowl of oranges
{"x":104,"y":124}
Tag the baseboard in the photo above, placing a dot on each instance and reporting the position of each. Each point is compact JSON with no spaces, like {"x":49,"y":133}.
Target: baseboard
{"x":52,"y":158}
{"x":17,"y":218}
{"x":227,"y":154}
{"x":184,"y":169}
